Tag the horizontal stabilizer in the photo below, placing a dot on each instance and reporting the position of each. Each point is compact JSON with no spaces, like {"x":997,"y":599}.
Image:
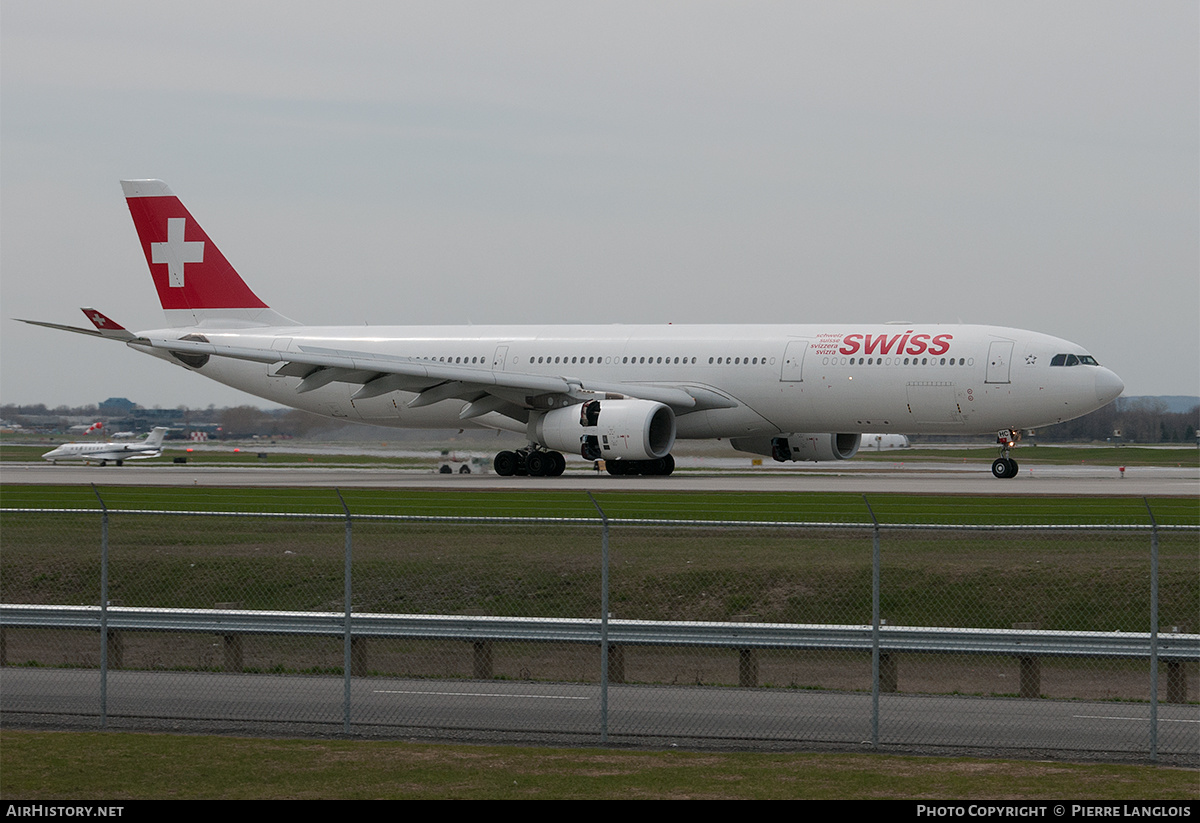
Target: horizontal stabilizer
{"x":110,"y":334}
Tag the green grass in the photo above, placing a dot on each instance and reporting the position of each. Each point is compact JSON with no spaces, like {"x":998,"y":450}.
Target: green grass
{"x":753,"y":506}
{"x":111,"y":767}
{"x":1075,"y":580}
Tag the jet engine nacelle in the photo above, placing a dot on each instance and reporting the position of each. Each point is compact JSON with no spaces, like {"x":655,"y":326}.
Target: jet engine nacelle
{"x":801,"y":446}
{"x":608,"y":429}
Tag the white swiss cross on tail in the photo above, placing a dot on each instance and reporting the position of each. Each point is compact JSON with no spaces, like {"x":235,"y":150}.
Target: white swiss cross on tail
{"x":176,"y":252}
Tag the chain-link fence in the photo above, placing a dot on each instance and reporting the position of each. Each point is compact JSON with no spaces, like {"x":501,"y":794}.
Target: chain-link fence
{"x":1050,"y":638}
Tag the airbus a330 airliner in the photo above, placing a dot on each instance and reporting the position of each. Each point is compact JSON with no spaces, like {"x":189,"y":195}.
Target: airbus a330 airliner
{"x":623,"y":394}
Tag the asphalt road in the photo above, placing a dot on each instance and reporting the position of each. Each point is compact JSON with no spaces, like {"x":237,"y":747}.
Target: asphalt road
{"x":532,"y":710}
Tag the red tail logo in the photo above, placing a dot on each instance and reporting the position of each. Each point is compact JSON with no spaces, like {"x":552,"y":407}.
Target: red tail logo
{"x":189,"y":271}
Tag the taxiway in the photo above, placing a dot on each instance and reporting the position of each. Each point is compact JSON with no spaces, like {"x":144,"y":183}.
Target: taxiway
{"x":875,"y":478}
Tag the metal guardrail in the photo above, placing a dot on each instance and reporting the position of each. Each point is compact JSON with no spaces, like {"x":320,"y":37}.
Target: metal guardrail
{"x":893,"y":639}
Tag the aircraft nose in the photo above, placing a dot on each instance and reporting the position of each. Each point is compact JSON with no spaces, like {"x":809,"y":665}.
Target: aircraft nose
{"x":1108,"y":386}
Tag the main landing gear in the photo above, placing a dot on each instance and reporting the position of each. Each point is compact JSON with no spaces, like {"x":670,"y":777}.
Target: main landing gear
{"x":535,"y":461}
{"x":532,"y":461}
{"x":623,"y":468}
{"x":1004,"y":466}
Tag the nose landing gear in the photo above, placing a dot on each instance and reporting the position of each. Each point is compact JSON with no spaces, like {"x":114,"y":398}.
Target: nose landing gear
{"x":1004,"y":466}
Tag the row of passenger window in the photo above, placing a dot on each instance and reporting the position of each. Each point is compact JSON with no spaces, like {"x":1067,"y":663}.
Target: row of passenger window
{"x":1059,"y":360}
{"x":466,"y":361}
{"x":897,"y":361}
{"x":568,"y":360}
{"x":638,"y":361}
{"x":736,"y":361}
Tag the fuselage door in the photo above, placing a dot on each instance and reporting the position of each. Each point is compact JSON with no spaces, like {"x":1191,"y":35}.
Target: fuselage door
{"x":999,"y":359}
{"x":792,"y":369}
{"x":500,"y":358}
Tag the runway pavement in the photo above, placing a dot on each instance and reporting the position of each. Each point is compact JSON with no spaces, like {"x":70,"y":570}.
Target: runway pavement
{"x":866,"y":478}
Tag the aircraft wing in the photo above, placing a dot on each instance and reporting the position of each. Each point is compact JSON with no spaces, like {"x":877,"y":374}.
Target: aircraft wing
{"x":485,"y":390}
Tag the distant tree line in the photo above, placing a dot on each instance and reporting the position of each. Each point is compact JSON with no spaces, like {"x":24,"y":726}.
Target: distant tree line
{"x":1140,"y":420}
{"x":247,"y":421}
{"x":236,"y":421}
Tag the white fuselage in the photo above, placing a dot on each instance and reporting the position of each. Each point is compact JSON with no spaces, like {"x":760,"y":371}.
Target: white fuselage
{"x":911,"y":379}
{"x":100,"y":452}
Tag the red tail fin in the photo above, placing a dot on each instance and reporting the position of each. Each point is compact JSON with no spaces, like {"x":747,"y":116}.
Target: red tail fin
{"x":194,"y":280}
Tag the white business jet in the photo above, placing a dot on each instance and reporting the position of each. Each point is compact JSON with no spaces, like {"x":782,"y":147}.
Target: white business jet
{"x":117,"y":452}
{"x":623,"y":394}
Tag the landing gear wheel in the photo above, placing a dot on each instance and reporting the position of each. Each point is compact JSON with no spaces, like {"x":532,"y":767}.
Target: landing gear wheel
{"x":505,"y":464}
{"x":560,"y":464}
{"x":1004,"y":468}
{"x":654,"y":467}
{"x":539,"y":464}
{"x":658,"y":467}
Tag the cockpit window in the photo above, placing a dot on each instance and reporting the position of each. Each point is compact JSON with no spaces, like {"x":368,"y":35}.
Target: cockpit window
{"x":1073,"y":360}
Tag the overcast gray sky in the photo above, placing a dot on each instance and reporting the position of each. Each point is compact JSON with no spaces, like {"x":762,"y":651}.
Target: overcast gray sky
{"x":1032,"y":164}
